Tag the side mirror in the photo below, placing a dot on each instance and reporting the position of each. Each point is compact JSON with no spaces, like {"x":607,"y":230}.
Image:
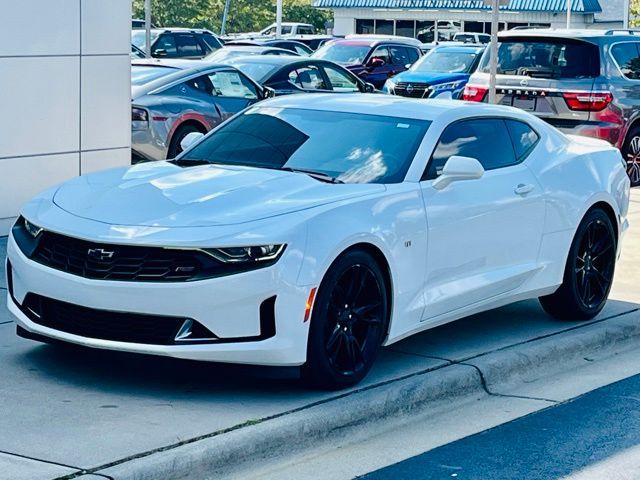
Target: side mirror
{"x":190,"y":139}
{"x":369,"y":87}
{"x":456,"y":169}
{"x":160,"y":52}
{"x":268,"y":92}
{"x":375,"y":62}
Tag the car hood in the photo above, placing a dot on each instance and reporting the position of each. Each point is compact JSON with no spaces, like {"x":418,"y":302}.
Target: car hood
{"x":166,"y":195}
{"x":432,"y":78}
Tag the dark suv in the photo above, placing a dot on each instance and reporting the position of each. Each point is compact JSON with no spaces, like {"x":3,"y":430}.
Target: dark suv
{"x":583,"y":82}
{"x":177,"y":42}
{"x":373,"y":60}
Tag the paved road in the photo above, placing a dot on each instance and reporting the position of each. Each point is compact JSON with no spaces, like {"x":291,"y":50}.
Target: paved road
{"x":576,"y":440}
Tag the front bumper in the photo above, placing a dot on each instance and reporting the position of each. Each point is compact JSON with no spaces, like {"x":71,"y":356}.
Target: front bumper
{"x":228,"y":306}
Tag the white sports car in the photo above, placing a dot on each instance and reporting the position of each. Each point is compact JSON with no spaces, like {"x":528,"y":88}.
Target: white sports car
{"x":310,"y":230}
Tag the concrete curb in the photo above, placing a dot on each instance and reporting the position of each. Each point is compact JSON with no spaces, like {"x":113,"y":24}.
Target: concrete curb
{"x":221,"y":452}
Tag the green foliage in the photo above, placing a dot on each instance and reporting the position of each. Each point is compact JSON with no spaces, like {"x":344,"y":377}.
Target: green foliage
{"x":634,"y":13}
{"x":244,"y":15}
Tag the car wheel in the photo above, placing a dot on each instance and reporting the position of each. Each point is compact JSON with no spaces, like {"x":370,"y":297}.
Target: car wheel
{"x":174,"y":147}
{"x":348,"y":322}
{"x":631,"y":154}
{"x":588,"y":273}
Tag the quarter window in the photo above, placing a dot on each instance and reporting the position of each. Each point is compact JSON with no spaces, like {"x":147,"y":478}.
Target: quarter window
{"x":486,"y":139}
{"x":524,"y":138}
{"x":627,"y":56}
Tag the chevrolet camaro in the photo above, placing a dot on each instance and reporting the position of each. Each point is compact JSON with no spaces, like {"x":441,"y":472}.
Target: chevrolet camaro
{"x":310,"y":230}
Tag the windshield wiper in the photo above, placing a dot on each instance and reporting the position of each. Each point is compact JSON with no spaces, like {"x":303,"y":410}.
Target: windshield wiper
{"x":323,"y":177}
{"x":187,"y":162}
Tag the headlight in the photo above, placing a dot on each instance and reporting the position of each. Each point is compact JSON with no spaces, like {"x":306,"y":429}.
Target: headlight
{"x":32,"y":229}
{"x":246,"y":255}
{"x":389,"y":86}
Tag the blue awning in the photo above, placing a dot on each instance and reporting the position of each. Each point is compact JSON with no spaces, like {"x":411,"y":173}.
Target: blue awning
{"x":538,"y":6}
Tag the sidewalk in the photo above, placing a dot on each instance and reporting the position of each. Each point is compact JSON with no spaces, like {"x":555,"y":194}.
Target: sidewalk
{"x":65,"y":411}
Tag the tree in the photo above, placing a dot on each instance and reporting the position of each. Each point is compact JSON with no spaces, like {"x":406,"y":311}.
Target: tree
{"x":634,"y":13}
{"x":177,"y":13}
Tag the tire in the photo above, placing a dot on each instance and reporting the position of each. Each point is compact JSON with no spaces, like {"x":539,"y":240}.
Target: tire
{"x":588,"y":273}
{"x":174,"y":147}
{"x":631,"y":155}
{"x":348,"y":322}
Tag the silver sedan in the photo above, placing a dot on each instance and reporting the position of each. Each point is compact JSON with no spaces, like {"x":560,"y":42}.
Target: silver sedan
{"x":171,"y":99}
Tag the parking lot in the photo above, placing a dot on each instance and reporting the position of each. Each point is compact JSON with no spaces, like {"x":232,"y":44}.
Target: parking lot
{"x":71,"y":409}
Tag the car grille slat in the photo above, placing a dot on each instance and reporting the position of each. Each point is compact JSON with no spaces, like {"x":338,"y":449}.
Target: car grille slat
{"x":411,"y":89}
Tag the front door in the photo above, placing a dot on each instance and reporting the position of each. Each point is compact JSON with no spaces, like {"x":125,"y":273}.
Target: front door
{"x":484,"y":234}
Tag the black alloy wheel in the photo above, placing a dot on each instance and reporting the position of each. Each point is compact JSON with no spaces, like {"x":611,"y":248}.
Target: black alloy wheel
{"x":631,"y":154}
{"x":348,"y":322}
{"x":175,"y":148}
{"x":589,"y":271}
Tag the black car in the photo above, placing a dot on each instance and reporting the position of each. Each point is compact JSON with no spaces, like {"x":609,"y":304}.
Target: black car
{"x":286,"y":75}
{"x":291,"y":45}
{"x":177,"y":42}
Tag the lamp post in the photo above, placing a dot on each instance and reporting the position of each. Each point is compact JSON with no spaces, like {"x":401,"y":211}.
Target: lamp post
{"x":147,"y":28}
{"x":278,"y":18}
{"x":225,"y":13}
{"x":493,"y":62}
{"x":569,"y":5}
{"x":627,"y":13}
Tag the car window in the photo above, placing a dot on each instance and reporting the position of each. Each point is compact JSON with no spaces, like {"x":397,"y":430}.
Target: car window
{"x":232,"y":84}
{"x":305,"y":30}
{"x":308,"y":78}
{"x":486,"y":139}
{"x":414,"y":55}
{"x":342,"y":53}
{"x":383,"y":53}
{"x":340,"y":81}
{"x":524,"y":138}
{"x":628,"y":59}
{"x":201,"y":84}
{"x":166,"y":43}
{"x":188,"y":46}
{"x":300,"y":50}
{"x":399,"y":55}
{"x":212,"y":42}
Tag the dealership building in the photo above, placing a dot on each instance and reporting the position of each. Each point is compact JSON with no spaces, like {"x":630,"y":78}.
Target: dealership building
{"x":416,"y":18}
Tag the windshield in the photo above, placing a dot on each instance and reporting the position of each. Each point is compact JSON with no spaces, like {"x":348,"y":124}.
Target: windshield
{"x":446,"y":62}
{"x":350,"y":147}
{"x":343,"y":53}
{"x":141,"y":75}
{"x":227,"y":53}
{"x":259,"y":71}
{"x":542,"y":58}
{"x":138,"y":38}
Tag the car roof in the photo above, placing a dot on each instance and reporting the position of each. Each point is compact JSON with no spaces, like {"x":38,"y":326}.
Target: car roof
{"x":180,"y":29}
{"x":460,"y":48}
{"x":271,"y":59}
{"x":389,"y":105}
{"x":572,"y":33}
{"x":177,"y":64}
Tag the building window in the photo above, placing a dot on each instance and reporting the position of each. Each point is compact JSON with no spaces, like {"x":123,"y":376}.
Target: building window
{"x":384,"y":27}
{"x":424,"y":31}
{"x":364,"y":26}
{"x":405,"y":28}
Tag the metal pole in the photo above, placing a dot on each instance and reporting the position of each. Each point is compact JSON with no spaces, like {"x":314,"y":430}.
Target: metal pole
{"x":569,"y":4}
{"x":147,"y":28}
{"x":627,"y":8}
{"x":435,"y":32}
{"x":225,"y":12}
{"x":493,"y":64}
{"x":279,"y":18}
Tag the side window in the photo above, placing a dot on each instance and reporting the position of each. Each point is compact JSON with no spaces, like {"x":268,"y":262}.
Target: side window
{"x":300,"y":51}
{"x":470,"y":138}
{"x":201,"y":84}
{"x":188,"y":46}
{"x":302,"y":30}
{"x":628,"y":58}
{"x":340,"y":81}
{"x":232,"y":84}
{"x":414,"y":55}
{"x":524,"y":138}
{"x":308,"y":78}
{"x":212,"y":42}
{"x":383,"y":53}
{"x":399,"y":55}
{"x":165,"y":46}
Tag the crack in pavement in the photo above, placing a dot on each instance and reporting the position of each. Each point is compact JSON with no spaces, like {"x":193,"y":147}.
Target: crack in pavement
{"x":35,"y":459}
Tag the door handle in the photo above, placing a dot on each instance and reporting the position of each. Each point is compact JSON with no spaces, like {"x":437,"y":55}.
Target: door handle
{"x":523,"y":189}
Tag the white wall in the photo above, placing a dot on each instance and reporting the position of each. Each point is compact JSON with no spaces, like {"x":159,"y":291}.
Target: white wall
{"x":65,"y":97}
{"x":612,"y":11}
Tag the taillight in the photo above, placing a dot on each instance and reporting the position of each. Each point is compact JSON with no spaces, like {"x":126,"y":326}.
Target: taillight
{"x":587,"y":101}
{"x":474,"y":94}
{"x":139,"y":115}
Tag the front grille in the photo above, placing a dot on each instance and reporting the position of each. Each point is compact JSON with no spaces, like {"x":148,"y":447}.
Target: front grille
{"x":119,"y":262}
{"x":102,"y":324}
{"x":413,"y":90}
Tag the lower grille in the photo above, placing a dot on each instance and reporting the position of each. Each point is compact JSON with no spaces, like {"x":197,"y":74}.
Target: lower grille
{"x":413,"y":90}
{"x":102,"y":324}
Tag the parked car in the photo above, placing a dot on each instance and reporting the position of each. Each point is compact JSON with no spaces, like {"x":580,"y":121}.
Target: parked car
{"x":287,"y":75}
{"x":177,"y":42}
{"x":287,"y":29}
{"x":373,"y":60}
{"x":137,"y":23}
{"x":136,"y":53}
{"x":265,"y":243}
{"x":314,"y":42}
{"x":291,"y":45}
{"x":472,"y":37}
{"x":443,"y":71}
{"x":171,"y":99}
{"x":583,"y":82}
{"x":228,"y":53}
